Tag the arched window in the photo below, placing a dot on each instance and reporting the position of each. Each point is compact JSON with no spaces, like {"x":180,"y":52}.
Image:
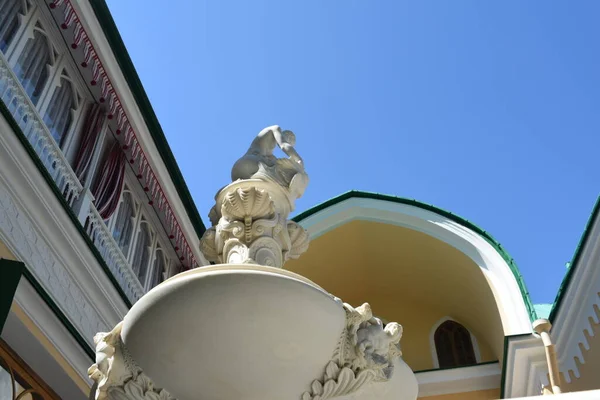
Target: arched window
{"x":453,"y":345}
{"x":142,"y":252}
{"x":9,"y":20}
{"x":32,"y":66}
{"x":59,"y":115}
{"x":123,"y":227}
{"x":158,"y":269}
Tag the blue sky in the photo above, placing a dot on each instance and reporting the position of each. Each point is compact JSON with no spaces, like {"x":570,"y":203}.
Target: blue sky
{"x":487,"y":109}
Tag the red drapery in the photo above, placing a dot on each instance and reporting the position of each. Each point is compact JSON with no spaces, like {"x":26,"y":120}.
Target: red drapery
{"x":91,"y":133}
{"x":108,"y":186}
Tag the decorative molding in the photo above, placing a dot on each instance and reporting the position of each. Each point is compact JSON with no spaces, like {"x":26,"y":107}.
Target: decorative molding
{"x":29,"y":308}
{"x":116,"y":375}
{"x":37,"y":133}
{"x":365,"y":353}
{"x":526,"y":366}
{"x":122,"y":122}
{"x":579,"y":307}
{"x":103,"y":239}
{"x":433,"y":349}
{"x":17,"y":231}
{"x":37,"y":229}
{"x":459,"y":380}
{"x":503,"y":284}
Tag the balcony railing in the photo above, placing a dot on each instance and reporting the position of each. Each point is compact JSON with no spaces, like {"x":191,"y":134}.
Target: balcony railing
{"x":24,"y":112}
{"x":79,"y":199}
{"x":112,"y":254}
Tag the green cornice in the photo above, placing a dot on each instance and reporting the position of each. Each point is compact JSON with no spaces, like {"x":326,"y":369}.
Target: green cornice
{"x":507,"y":340}
{"x":468,"y":224}
{"x":7,"y":266}
{"x":574,"y":262}
{"x":35,"y":158}
{"x":135,"y":84}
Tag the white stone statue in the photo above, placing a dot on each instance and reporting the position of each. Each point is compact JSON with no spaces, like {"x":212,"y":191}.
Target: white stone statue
{"x":249,"y":218}
{"x":260,"y":163}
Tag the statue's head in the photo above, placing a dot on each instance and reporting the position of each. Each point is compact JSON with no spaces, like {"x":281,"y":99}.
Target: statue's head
{"x":289,"y":137}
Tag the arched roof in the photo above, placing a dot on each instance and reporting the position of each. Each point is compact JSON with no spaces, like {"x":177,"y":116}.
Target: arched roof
{"x":505,"y":279}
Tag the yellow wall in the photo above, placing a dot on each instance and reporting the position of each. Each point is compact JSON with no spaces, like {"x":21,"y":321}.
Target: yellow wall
{"x":589,"y":372}
{"x":5,"y":253}
{"x":407,"y":277}
{"x":476,"y":395}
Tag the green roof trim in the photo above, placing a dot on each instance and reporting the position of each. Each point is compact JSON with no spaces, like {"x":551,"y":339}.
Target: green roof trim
{"x":411,"y":202}
{"x":91,"y":353}
{"x":141,"y":98}
{"x":507,"y":340}
{"x":572,"y":265}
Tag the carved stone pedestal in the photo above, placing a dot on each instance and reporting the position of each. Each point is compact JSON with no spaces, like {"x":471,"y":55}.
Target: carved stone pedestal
{"x":250,"y":226}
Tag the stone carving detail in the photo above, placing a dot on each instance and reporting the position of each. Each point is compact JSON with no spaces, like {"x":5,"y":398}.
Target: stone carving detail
{"x":116,"y":375}
{"x":250,"y":215}
{"x":17,"y":230}
{"x":260,"y":163}
{"x":365,"y":353}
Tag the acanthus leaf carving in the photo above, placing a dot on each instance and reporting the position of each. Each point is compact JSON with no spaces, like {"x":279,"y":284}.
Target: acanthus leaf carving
{"x":116,"y":374}
{"x":365,"y":353}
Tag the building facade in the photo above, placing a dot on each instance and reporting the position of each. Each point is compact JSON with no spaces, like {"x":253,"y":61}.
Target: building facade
{"x":94,"y":212}
{"x":92,"y":205}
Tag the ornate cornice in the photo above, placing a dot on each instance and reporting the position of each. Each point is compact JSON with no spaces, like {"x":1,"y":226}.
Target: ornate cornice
{"x":101,"y":85}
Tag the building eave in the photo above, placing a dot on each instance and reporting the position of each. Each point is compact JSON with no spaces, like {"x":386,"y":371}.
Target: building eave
{"x":574,"y":263}
{"x":447,"y":214}
{"x":135,"y":85}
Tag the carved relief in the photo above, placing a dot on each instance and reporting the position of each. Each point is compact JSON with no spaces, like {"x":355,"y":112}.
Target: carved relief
{"x":17,"y":230}
{"x":116,"y":374}
{"x":365,"y":353}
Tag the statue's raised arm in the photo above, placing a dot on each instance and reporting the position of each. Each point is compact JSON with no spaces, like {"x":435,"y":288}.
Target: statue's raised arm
{"x":286,"y":141}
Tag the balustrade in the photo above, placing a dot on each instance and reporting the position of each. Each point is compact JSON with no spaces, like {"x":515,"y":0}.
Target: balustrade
{"x":79,"y":199}
{"x":25,"y":114}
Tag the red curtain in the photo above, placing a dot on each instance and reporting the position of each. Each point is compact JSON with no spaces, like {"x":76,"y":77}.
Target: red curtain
{"x":91,"y":133}
{"x":107,"y":188}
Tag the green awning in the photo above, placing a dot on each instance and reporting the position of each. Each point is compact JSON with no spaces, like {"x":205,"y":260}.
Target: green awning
{"x":10,"y":274}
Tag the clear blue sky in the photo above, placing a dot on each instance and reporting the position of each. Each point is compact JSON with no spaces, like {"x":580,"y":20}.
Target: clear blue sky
{"x":488,"y":109}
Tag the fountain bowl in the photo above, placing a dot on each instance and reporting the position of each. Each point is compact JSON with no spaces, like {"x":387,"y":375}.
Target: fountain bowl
{"x":234,"y":331}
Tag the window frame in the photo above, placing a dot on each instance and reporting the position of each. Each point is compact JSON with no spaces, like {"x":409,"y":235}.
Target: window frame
{"x":433,"y":347}
{"x":145,"y":215}
{"x":63,"y":66}
{"x":21,"y":19}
